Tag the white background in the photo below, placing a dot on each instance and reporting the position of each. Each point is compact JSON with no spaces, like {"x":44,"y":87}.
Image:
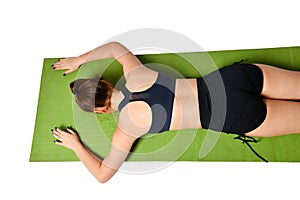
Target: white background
{"x":32,"y":30}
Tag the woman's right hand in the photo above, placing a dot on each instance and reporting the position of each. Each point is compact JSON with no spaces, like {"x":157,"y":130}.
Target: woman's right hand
{"x":70,"y":64}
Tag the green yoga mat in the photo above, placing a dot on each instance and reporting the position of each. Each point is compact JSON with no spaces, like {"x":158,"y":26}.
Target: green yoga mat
{"x":56,"y":108}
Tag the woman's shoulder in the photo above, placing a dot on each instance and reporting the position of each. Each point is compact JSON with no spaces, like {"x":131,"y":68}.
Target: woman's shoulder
{"x":140,"y":78}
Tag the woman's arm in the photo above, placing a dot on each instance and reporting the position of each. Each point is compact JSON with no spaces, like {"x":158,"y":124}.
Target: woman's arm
{"x":109,"y":50}
{"x":102,"y":171}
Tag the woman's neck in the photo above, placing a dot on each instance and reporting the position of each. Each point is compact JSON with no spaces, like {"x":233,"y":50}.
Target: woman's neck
{"x":116,"y":98}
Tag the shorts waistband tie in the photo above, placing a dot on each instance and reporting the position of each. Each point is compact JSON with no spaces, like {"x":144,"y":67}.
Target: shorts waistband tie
{"x":246,"y":140}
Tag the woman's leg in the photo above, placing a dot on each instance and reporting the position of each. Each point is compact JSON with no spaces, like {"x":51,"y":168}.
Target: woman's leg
{"x":283,"y":117}
{"x":280,"y":83}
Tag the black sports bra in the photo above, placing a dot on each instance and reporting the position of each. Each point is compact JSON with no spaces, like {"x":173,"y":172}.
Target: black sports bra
{"x":160,"y":97}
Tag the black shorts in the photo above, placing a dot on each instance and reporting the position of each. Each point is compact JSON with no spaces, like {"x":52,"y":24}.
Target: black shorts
{"x":230,"y":99}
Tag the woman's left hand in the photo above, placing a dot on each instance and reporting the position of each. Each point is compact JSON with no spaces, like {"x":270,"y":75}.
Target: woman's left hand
{"x":69,"y":138}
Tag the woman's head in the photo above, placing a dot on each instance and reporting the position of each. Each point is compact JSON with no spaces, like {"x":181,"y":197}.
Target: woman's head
{"x":92,"y":94}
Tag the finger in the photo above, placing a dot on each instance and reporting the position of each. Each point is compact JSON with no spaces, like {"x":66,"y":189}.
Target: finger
{"x":58,"y":142}
{"x":56,"y":65}
{"x":61,"y":59}
{"x":71,"y":131}
{"x":60,"y":67}
{"x":68,"y":71}
{"x":60,"y":62}
{"x":60,"y":131}
{"x":56,"y":136}
{"x":53,"y":132}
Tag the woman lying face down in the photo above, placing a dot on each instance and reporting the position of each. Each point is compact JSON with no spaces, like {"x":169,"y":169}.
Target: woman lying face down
{"x":257,"y":100}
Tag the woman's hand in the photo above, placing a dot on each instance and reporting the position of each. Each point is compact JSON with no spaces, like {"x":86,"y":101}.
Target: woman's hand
{"x":70,"y":64}
{"x":69,"y":138}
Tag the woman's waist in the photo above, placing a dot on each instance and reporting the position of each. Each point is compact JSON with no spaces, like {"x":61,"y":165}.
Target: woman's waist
{"x":185,"y":113}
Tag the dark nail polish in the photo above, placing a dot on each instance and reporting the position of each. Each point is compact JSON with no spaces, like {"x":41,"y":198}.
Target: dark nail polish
{"x":64,"y":74}
{"x":52,"y":131}
{"x":53,"y":67}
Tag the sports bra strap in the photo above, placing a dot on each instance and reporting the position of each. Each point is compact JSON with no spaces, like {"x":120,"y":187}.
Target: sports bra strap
{"x":126,"y":99}
{"x":160,"y":98}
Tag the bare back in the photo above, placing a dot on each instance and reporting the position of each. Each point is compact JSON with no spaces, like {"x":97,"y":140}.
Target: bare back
{"x":136,"y":117}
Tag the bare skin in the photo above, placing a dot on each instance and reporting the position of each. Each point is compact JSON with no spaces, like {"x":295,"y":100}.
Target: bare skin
{"x":135,"y":118}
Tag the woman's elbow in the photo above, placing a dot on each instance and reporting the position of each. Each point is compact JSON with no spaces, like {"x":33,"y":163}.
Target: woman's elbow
{"x":115,"y":44}
{"x":102,"y":179}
